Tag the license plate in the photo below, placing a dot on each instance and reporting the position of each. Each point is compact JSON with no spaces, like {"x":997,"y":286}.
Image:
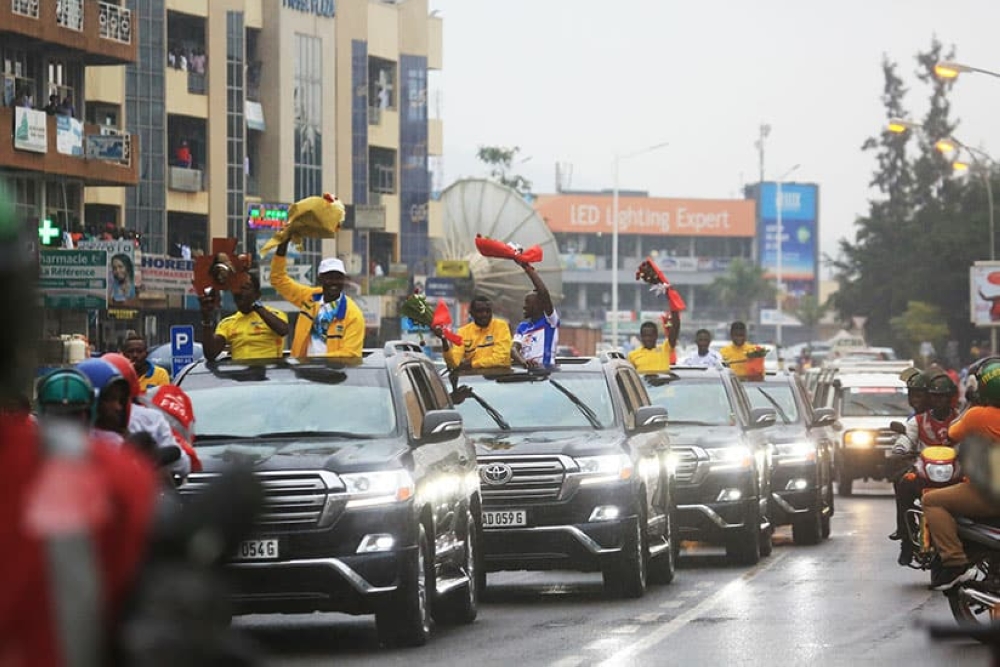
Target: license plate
{"x":257,"y":550}
{"x":504,"y":518}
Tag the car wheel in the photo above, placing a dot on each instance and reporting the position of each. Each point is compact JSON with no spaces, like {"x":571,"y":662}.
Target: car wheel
{"x":743,"y":547}
{"x":405,"y":619}
{"x":462,"y":605}
{"x":766,"y":541}
{"x":825,"y":521}
{"x":664,"y":566}
{"x":844,"y":483}
{"x":626,"y":576}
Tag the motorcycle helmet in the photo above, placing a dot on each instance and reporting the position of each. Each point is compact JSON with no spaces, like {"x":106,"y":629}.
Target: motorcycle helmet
{"x":66,"y":391}
{"x":102,"y":375}
{"x":125,"y":367}
{"x":941,"y":384}
{"x":915,"y":379}
{"x":988,"y":381}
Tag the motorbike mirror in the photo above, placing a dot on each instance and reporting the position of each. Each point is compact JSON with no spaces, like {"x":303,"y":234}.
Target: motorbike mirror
{"x":897,"y":427}
{"x":980,"y":457}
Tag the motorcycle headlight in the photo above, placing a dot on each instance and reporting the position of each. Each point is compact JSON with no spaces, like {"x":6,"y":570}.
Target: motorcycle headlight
{"x":739,"y":456}
{"x":383,"y":487}
{"x":859,"y":438}
{"x":939,"y":472}
{"x":608,"y":468}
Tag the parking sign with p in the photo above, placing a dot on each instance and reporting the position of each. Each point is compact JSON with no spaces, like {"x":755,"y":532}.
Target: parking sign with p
{"x":181,"y":347}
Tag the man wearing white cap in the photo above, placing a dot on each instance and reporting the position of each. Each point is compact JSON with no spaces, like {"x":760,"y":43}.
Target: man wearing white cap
{"x":330,"y":324}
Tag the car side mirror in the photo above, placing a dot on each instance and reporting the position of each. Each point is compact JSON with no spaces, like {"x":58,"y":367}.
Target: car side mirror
{"x":762,"y":417}
{"x":649,"y":418}
{"x":897,"y":427}
{"x":441,"y":425}
{"x":824,"y":417}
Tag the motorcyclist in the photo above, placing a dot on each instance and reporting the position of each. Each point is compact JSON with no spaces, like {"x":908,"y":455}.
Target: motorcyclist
{"x":928,"y":428}
{"x":113,"y":407}
{"x":941,"y":505}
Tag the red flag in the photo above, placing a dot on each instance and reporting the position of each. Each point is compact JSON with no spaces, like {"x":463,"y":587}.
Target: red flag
{"x":488,"y":247}
{"x":649,"y":272}
{"x":442,"y":318}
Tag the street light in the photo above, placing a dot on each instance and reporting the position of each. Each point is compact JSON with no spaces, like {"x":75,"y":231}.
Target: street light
{"x":779,"y":206}
{"x":614,"y":237}
{"x":981,"y":164}
{"x":948,"y":69}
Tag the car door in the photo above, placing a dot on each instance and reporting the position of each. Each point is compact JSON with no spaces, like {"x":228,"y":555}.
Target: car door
{"x":824,"y":437}
{"x":649,"y":450}
{"x":755,"y":437}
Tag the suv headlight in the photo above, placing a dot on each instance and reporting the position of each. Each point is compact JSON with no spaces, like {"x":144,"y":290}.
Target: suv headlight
{"x":796,"y":452}
{"x":859,"y":438}
{"x":383,"y":487}
{"x":603,"y":469}
{"x":724,"y":458}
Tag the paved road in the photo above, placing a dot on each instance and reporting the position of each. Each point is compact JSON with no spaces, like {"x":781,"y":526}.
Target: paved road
{"x":844,"y":602}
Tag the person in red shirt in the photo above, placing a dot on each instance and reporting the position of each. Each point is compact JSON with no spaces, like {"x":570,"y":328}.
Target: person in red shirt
{"x":183,"y":157}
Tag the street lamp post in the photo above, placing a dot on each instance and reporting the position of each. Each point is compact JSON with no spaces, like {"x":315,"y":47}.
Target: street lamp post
{"x":614,"y":237}
{"x":779,"y":206}
{"x":948,"y":69}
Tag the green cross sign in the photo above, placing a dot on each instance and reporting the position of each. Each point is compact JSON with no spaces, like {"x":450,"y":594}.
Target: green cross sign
{"x":47,"y":233}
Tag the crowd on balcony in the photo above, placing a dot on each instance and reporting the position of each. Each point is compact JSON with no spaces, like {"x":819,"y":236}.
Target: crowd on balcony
{"x":187,"y":59}
{"x":24,"y":98}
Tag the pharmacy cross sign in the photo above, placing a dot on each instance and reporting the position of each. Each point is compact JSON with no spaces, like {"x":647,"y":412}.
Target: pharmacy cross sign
{"x":47,"y":232}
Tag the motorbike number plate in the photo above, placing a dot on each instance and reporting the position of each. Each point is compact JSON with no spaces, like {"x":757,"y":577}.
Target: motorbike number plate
{"x":504,"y":518}
{"x":257,"y":550}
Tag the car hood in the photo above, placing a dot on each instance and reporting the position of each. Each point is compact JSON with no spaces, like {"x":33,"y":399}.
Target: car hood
{"x":570,"y":443}
{"x":781,"y":433}
{"x":334,"y":455}
{"x":706,"y":437}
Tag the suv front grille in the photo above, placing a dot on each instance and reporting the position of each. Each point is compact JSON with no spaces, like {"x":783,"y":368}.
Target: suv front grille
{"x":686,"y":463}
{"x":530,"y":479}
{"x":291,"y":499}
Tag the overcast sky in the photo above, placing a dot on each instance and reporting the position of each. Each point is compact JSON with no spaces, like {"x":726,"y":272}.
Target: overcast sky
{"x":578,"y":81}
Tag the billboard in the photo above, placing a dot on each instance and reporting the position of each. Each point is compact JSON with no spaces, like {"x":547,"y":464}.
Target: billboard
{"x":124,"y":274}
{"x":73,"y":278}
{"x":593,"y":214}
{"x":800,"y":233}
{"x":984,"y":294}
{"x":167,"y":274}
{"x":69,"y":136}
{"x":31,"y":130}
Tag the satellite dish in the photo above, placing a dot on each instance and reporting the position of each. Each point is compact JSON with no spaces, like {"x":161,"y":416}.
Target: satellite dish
{"x":479,"y":206}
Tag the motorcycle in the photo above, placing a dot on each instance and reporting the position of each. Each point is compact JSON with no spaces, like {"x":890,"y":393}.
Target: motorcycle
{"x":935,"y":468}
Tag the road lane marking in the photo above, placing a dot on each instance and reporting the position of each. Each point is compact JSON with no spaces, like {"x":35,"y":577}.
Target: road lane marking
{"x":568,"y":661}
{"x":601,"y":644}
{"x":671,"y":604}
{"x":651,"y":617}
{"x":626,"y":655}
{"x":689,"y":594}
{"x":625,"y":630}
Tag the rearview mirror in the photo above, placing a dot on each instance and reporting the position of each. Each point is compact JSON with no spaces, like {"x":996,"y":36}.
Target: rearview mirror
{"x":441,"y":425}
{"x":824,"y":417}
{"x":650,"y":418}
{"x":762,"y":417}
{"x":897,"y":427}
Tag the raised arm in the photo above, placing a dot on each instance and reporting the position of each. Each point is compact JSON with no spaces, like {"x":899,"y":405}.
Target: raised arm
{"x":544,"y":298}
{"x":211,"y":342}
{"x":290,"y":290}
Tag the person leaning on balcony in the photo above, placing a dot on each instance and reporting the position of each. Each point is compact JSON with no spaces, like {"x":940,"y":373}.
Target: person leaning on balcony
{"x":183,"y":157}
{"x":330,"y":324}
{"x":52,"y":108}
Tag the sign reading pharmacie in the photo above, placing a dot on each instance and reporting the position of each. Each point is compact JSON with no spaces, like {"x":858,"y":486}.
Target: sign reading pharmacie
{"x":75,"y":279}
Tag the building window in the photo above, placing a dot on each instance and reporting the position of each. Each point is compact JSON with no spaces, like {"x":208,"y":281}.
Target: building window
{"x":308,"y":116}
{"x":19,"y":77}
{"x":115,"y":22}
{"x":69,"y":14}
{"x":27,"y":8}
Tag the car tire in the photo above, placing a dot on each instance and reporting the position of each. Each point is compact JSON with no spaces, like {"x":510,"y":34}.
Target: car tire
{"x":627,"y":575}
{"x":663,"y":568}
{"x":808,"y":530}
{"x":743,"y":546}
{"x":461,"y":606}
{"x":766,"y":541}
{"x":405,"y":618}
{"x":845,"y":483}
{"x":828,"y":514}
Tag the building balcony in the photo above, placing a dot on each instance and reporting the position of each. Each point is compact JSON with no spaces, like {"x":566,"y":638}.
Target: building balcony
{"x":185,"y":180}
{"x":385,"y":132}
{"x":435,"y":40}
{"x":182,"y":98}
{"x":97,"y":33}
{"x":118,"y":166}
{"x":435,"y":136}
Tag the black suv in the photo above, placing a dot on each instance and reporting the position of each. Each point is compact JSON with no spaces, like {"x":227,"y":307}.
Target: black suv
{"x":371,"y":488}
{"x":573,"y":466}
{"x":804,"y":442}
{"x":721,"y":459}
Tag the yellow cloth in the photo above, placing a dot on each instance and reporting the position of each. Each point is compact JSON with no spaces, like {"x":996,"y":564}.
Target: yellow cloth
{"x":249,"y":337}
{"x":656,"y":360}
{"x":736,"y":357}
{"x":312,"y":217}
{"x":154,"y":377}
{"x":344,"y":337}
{"x":485,"y":347}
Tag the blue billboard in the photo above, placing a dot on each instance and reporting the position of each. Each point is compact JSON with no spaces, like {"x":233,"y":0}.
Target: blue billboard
{"x":799,"y":208}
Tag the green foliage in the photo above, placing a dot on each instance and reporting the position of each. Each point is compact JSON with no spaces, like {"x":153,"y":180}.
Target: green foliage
{"x":919,"y":322}
{"x":741,"y":287}
{"x":809,"y":311}
{"x":500,"y":160}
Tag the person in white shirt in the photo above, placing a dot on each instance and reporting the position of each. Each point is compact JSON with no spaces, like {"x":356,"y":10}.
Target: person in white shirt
{"x":704,"y":356}
{"x":537,"y":337}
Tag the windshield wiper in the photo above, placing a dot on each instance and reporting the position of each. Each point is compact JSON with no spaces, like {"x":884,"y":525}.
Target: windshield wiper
{"x":209,"y":437}
{"x":587,"y":411}
{"x":777,"y":408}
{"x":313,"y":434}
{"x":494,"y":414}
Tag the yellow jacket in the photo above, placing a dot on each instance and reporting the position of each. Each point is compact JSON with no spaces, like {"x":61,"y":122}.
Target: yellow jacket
{"x":736,"y":357}
{"x":486,"y":347}
{"x":656,"y":360}
{"x":345,"y":335}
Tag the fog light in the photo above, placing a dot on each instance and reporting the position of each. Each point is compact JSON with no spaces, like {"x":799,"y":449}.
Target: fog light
{"x":604,"y":513}
{"x":376,"y":543}
{"x":797,"y":485}
{"x":729,"y":495}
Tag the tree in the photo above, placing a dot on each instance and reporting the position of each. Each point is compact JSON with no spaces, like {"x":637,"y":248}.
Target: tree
{"x":742,"y":286}
{"x":810,"y":311}
{"x":500,"y":161}
{"x":919,"y":322}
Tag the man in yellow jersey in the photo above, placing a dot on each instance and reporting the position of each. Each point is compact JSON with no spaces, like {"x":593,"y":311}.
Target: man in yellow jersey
{"x":330,"y":324}
{"x":150,"y":375}
{"x":254,"y":331}
{"x":735,"y":354}
{"x":486,"y":340}
{"x":651,"y":358}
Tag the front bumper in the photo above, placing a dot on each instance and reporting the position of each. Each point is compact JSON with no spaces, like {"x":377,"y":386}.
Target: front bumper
{"x":701,"y":516}
{"x":788,"y":503}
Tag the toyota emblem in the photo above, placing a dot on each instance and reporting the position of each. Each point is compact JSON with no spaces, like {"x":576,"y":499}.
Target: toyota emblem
{"x":496,"y":474}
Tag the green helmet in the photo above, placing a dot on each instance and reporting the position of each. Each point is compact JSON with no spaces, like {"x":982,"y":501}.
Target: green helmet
{"x":65,"y":391}
{"x":988,"y":378}
{"x":941,"y":384}
{"x":914,"y":379}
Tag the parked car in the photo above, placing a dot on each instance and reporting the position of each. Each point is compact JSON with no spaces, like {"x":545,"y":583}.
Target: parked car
{"x":721,"y":459}
{"x":867,"y":396}
{"x":804,"y":440}
{"x":574,"y":471}
{"x":372,"y":493}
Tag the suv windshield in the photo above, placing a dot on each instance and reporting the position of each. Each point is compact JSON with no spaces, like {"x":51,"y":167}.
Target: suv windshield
{"x":248,"y":401}
{"x":693,"y":402}
{"x":535,"y":402}
{"x":874,"y":401}
{"x":778,"y":397}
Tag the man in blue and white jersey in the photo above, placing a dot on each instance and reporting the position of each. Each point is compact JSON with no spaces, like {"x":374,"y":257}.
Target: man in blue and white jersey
{"x":537,"y":336}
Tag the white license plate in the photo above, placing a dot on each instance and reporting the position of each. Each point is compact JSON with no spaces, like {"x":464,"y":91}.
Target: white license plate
{"x":504,"y":518}
{"x":257,"y":550}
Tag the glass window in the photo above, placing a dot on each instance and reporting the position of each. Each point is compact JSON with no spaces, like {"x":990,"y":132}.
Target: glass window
{"x":692,"y":402}
{"x":874,"y":401}
{"x":778,"y":397}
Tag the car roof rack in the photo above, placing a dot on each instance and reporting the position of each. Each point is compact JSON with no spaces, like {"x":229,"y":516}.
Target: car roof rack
{"x":393,"y":347}
{"x":858,"y":366}
{"x":608,"y":355}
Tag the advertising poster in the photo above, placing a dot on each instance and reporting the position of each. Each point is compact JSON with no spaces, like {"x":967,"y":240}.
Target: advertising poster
{"x":984,"y":294}
{"x":800,"y":234}
{"x":31,"y":130}
{"x":124,"y":277}
{"x":161,"y":273}
{"x":69,"y":136}
{"x":73,"y":278}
